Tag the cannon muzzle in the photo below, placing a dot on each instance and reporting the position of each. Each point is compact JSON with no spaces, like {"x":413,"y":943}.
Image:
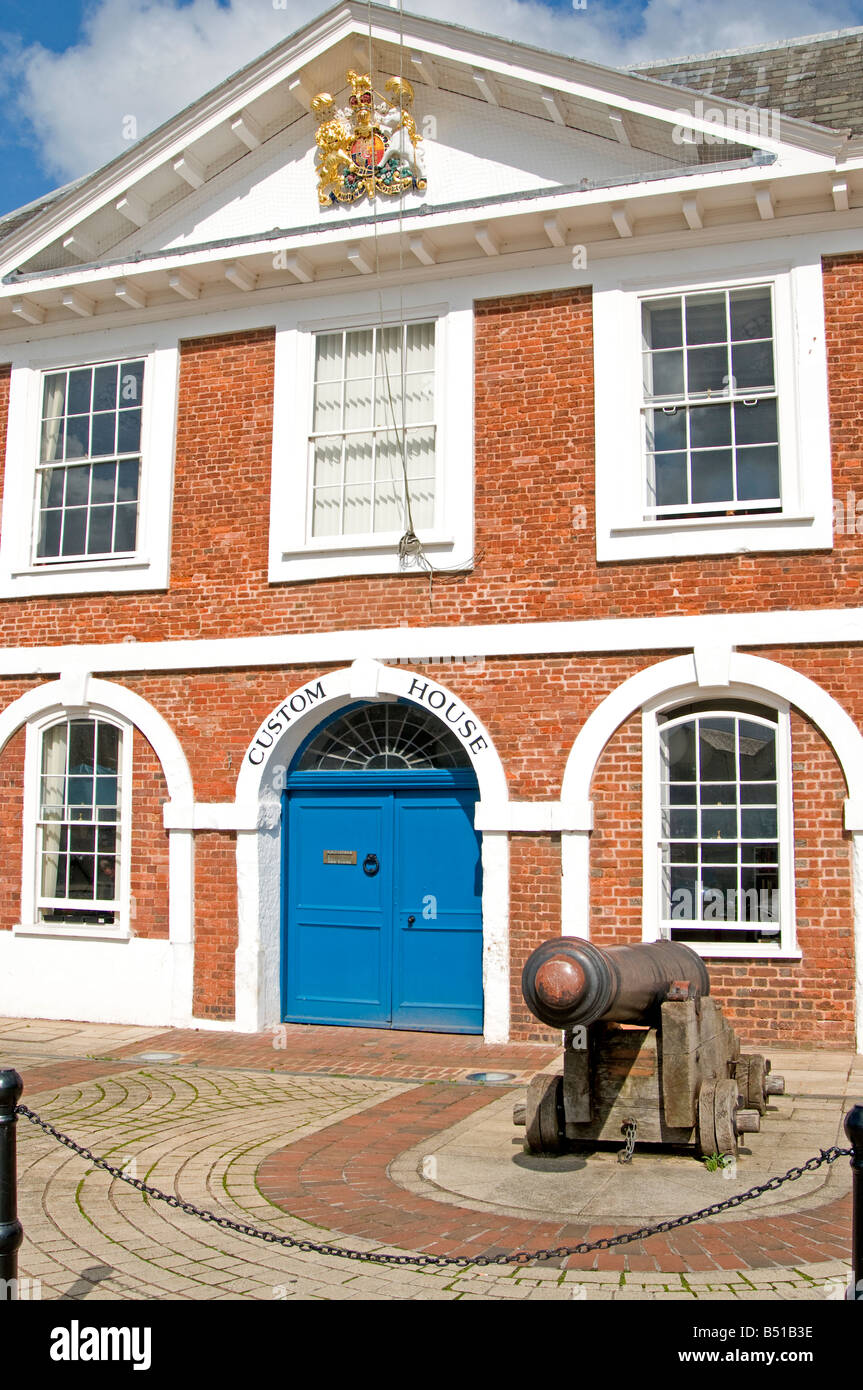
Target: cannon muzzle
{"x":569,"y":981}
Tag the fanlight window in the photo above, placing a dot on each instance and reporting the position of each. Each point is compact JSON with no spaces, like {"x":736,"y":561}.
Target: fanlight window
{"x":384,"y":737}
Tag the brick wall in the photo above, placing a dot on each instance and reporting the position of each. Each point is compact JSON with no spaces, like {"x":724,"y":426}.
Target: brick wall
{"x":534,"y":465}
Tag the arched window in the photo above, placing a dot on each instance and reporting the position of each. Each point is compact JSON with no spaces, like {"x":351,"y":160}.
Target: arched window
{"x":81,"y":823}
{"x":384,"y":737}
{"x":724,"y":850}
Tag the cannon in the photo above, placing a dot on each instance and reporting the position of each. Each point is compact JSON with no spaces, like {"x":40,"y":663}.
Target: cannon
{"x":644,"y":1045}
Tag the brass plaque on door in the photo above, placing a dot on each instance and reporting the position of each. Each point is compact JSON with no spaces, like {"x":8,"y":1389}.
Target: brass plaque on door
{"x":340,"y":856}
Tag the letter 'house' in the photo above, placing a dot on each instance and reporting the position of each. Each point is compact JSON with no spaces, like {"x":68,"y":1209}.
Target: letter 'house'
{"x":432,"y":521}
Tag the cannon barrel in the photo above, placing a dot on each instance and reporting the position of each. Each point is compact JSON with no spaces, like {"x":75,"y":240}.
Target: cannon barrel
{"x":569,"y":981}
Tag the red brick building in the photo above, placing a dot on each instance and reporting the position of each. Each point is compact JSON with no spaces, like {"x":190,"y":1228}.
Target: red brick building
{"x":388,"y":584}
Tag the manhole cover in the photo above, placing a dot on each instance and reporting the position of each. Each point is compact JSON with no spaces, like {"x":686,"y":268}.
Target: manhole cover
{"x":491,"y":1078}
{"x":157,"y":1056}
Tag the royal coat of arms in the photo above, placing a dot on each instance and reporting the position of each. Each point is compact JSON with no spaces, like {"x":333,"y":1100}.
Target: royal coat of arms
{"x":369,"y":146}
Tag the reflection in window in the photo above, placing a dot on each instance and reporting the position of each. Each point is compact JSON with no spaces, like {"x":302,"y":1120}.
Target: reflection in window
{"x":719,"y":832}
{"x":79,"y":822}
{"x":710,"y":404}
{"x":90,"y":461}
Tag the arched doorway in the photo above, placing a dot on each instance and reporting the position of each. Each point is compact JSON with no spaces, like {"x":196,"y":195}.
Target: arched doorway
{"x":381,"y":875}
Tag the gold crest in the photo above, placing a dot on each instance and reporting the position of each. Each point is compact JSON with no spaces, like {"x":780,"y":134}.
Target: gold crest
{"x":370,"y":146}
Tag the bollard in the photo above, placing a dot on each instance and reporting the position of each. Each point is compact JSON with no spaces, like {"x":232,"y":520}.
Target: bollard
{"x":11,"y":1233}
{"x":854,"y":1130}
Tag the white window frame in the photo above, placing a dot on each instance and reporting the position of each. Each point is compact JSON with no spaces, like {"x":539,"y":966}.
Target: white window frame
{"x":805,"y":522}
{"x":654,"y":924}
{"x":30,"y":924}
{"x":21,"y":575}
{"x":294,"y":554}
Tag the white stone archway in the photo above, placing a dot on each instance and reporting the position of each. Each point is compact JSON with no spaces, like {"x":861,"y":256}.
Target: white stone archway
{"x":135,"y":980}
{"x":717,"y":669}
{"x":260,"y":783}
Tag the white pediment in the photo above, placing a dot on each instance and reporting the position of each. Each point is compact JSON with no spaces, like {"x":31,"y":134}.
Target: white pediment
{"x":472,"y":154}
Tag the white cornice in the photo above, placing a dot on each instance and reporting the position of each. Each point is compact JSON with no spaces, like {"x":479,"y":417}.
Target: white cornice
{"x":828,"y":626}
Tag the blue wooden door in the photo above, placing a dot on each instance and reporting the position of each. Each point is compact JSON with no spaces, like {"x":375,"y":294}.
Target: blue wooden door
{"x":382,"y":909}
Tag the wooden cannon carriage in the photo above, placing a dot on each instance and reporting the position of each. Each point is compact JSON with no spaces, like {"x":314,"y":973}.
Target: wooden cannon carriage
{"x":643,"y":1043}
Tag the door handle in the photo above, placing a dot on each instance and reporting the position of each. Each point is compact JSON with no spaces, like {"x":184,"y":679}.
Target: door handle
{"x":411,"y":920}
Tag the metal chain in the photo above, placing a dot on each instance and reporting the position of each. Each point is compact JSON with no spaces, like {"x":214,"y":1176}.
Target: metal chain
{"x":519,"y":1257}
{"x":629,"y":1128}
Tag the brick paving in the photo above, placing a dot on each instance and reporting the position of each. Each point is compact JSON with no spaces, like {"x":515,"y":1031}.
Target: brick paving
{"x":299,"y":1048}
{"x":246,"y":1129}
{"x":345,"y":1175}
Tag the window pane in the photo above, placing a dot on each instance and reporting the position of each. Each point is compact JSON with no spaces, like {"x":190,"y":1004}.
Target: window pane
{"x":751,"y":314}
{"x":327,"y":406}
{"x":101,"y":531}
{"x":752,"y":366}
{"x":706,"y":318}
{"x":128,"y":431}
{"x":328,"y":357}
{"x":666,"y":430}
{"x":716,"y":749}
{"x":74,"y":528}
{"x":758,"y":472}
{"x":757,"y":752}
{"x":105,"y":387}
{"x":669,"y":480}
{"x":358,"y":354}
{"x":77,"y":436}
{"x":358,"y":508}
{"x":420,"y":340}
{"x":326,"y":511}
{"x":125,"y":528}
{"x":54,"y":395}
{"x":80,"y":387}
{"x":328,"y":462}
{"x":713,"y":476}
{"x":358,"y":403}
{"x":707,"y":369}
{"x":756,"y":424}
{"x":104,"y":436}
{"x":710,"y":426}
{"x":663,"y":374}
{"x":49,"y":534}
{"x":131,"y":384}
{"x":53,"y":440}
{"x":662,"y":323}
{"x":104,"y":480}
{"x":127,"y":480}
{"x":679,"y":745}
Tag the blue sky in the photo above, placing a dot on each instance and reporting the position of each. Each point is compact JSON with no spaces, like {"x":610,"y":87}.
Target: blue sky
{"x":73,"y":72}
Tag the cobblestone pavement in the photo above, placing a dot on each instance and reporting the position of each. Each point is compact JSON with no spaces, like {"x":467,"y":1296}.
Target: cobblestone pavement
{"x":217,"y":1135}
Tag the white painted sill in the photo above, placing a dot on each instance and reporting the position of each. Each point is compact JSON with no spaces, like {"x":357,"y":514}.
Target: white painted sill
{"x":91,"y":933}
{"x":60,"y":567}
{"x":664,"y":528}
{"x":728,"y":951}
{"x":347,"y":545}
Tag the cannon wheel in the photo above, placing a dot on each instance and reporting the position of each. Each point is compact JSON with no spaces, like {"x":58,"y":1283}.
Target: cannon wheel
{"x":706,"y":1129}
{"x":755,"y":1094}
{"x":717,"y":1109}
{"x":726,"y":1098}
{"x":544,"y":1114}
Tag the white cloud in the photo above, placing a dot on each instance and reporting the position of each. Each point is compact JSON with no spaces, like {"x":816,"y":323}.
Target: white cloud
{"x":148,"y":59}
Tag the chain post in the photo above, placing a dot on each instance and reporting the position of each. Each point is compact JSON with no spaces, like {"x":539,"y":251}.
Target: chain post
{"x":11,"y":1233}
{"x":854,"y":1131}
